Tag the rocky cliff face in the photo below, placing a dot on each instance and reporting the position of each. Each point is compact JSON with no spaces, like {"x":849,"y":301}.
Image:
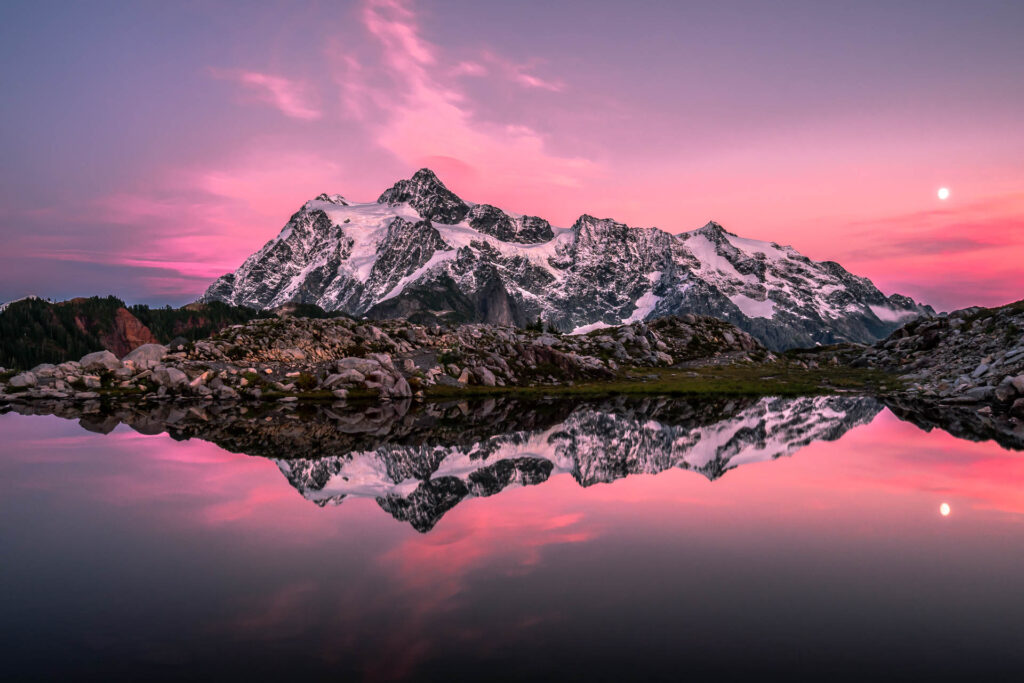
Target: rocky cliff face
{"x":423,"y":253}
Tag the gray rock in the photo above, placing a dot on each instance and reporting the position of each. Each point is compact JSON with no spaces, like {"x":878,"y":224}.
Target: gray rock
{"x":1017,"y":409}
{"x":1018,"y":383}
{"x":401,"y":389}
{"x":980,"y":393}
{"x":1005,"y":392}
{"x":146,"y":354}
{"x":484,"y":376}
{"x":100,"y":360}
{"x":23,"y":380}
{"x":979,"y":371}
{"x":169,"y":377}
{"x":362,"y":365}
{"x":44,"y":370}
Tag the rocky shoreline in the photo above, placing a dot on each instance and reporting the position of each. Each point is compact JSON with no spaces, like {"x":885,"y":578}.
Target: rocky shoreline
{"x":972,"y":357}
{"x":970,"y":363}
{"x":291,"y":358}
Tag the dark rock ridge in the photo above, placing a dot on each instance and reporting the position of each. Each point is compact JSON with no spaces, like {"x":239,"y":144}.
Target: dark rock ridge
{"x":464,"y":262}
{"x":428,"y":195}
{"x":973,"y":357}
{"x":420,"y":461}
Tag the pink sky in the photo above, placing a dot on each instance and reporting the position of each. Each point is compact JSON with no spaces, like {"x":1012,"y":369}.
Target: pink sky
{"x":827,"y":130}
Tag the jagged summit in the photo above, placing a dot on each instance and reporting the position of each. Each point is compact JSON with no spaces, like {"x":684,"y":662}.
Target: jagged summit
{"x":422,"y":252}
{"x":713,"y":227}
{"x":332,"y":198}
{"x":428,"y":195}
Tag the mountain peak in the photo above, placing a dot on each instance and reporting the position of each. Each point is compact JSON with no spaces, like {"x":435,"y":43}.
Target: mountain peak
{"x":429,"y":196}
{"x":425,"y":175}
{"x":332,"y":198}
{"x":713,"y":227}
{"x":449,"y":261}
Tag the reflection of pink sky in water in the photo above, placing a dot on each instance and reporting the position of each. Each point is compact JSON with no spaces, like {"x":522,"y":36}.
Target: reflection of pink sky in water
{"x":334,"y":557}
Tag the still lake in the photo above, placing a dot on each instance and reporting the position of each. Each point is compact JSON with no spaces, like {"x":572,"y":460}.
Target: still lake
{"x":621,"y":539}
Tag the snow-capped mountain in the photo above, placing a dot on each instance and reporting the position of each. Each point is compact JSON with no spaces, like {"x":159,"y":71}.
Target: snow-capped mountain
{"x":419,"y":482}
{"x":421,"y":252}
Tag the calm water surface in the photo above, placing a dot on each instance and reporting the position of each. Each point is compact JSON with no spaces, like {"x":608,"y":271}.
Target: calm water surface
{"x":654,"y":540}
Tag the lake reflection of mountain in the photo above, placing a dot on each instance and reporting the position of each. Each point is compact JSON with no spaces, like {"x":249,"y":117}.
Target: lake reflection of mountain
{"x":419,"y":461}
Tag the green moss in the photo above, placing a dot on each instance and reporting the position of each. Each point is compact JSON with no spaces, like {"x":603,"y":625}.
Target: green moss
{"x":759,"y":380}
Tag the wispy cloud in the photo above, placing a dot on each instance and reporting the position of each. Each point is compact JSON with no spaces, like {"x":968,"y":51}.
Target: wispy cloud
{"x":951,"y":257}
{"x":490,"y":63}
{"x":421,"y":113}
{"x":292,"y":98}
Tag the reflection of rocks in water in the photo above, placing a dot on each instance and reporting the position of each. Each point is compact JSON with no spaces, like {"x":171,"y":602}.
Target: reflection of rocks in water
{"x":420,"y":460}
{"x":964,"y":422}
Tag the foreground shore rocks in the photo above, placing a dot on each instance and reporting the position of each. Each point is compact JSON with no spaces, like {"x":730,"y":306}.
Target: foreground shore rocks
{"x":283,"y":359}
{"x":973,"y":357}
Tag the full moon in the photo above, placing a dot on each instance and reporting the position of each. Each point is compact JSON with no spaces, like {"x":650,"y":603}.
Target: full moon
{"x":943,"y":193}
{"x":944,"y":509}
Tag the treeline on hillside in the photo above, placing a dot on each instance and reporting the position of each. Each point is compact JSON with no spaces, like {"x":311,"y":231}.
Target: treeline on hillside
{"x":194,"y":321}
{"x":34,"y":331}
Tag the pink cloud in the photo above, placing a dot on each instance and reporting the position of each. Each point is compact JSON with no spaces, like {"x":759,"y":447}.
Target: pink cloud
{"x":489,"y":63}
{"x":183,"y":227}
{"x":292,"y":98}
{"x":422,"y":114}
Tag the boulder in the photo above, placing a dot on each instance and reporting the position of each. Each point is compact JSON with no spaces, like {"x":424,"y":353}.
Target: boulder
{"x":483,"y":376}
{"x":401,"y":389}
{"x":1018,"y":383}
{"x":44,"y":370}
{"x":382,"y":358}
{"x":980,"y":393}
{"x":1005,"y":392}
{"x":146,"y":354}
{"x":24,"y":380}
{"x":362,"y":365}
{"x":100,"y":360}
{"x":1017,"y":409}
{"x":169,"y":377}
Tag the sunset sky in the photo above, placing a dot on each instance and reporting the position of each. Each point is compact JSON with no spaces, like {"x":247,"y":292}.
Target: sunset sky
{"x":149,"y":147}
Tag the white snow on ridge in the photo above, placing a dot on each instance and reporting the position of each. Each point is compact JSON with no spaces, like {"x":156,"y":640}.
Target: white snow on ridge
{"x":751,"y":247}
{"x":709,"y":258}
{"x":3,"y":306}
{"x":438,"y":258}
{"x":644,"y":306}
{"x":752,"y":308}
{"x":583,"y":329}
{"x":890,"y":315}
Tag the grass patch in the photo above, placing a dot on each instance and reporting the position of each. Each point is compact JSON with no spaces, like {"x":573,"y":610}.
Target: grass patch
{"x":759,"y":380}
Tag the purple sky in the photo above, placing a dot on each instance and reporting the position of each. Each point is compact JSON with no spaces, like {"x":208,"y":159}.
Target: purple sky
{"x":149,"y":147}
